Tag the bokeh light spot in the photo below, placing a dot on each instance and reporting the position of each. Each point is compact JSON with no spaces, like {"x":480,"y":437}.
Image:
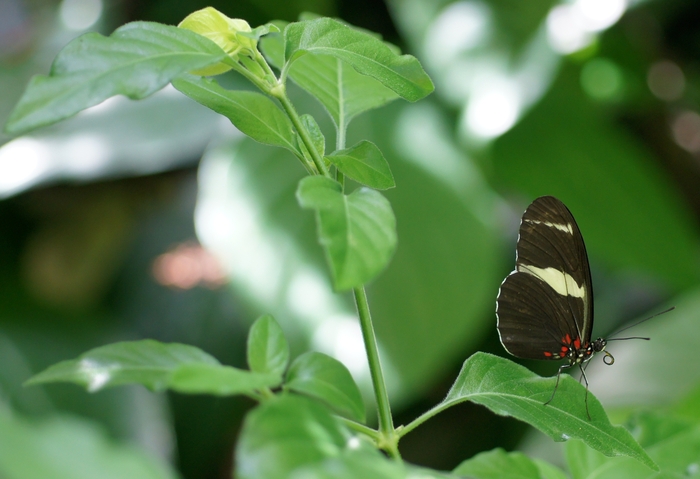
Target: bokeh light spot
{"x":22,"y":162}
{"x":686,"y":131}
{"x":572,"y":26}
{"x":186,"y":266}
{"x":493,"y":109}
{"x":460,"y":26}
{"x":602,"y":79}
{"x":666,"y":80}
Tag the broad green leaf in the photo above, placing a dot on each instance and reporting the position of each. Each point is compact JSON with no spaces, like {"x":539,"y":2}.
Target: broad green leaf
{"x":219,"y":380}
{"x":68,"y":448}
{"x":253,"y":113}
{"x":145,"y":362}
{"x":367,"y":54}
{"x":317,"y":137}
{"x":497,"y":464}
{"x":358,"y":231}
{"x":320,"y":376}
{"x":137,"y":60}
{"x":509,"y":389}
{"x":268,"y":350}
{"x":365,"y":164}
{"x":340,"y":89}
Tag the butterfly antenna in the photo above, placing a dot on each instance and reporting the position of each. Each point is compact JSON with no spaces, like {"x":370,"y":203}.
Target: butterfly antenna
{"x":638,"y":323}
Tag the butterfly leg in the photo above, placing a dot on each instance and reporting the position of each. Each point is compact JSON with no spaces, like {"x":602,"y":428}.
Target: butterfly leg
{"x":585,"y":379}
{"x":556,"y":386}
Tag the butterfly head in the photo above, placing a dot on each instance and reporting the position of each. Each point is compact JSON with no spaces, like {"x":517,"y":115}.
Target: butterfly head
{"x":599,"y":345}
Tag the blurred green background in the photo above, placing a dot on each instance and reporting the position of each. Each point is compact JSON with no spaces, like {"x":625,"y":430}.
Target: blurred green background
{"x":156,"y":219}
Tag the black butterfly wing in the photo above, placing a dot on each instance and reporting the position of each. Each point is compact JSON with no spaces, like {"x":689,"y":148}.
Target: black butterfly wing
{"x":547,"y":301}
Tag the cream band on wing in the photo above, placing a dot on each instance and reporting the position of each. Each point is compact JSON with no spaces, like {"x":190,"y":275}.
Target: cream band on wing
{"x":565,"y":228}
{"x":559,"y":281}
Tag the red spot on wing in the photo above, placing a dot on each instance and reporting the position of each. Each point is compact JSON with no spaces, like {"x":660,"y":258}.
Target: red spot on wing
{"x":564,"y":350}
{"x":548,"y":354}
{"x":577,"y":343}
{"x":567,"y":339}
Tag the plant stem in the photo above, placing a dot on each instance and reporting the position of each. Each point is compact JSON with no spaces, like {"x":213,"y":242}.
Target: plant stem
{"x":292,"y":113}
{"x":402,"y":431}
{"x":361,"y":428}
{"x":388,"y":438}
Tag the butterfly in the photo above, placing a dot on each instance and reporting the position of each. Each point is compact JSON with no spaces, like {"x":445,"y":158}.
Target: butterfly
{"x":544,"y":308}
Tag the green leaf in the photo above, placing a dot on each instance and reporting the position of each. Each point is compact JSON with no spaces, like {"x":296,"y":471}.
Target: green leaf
{"x":137,"y":60}
{"x":365,"y":164}
{"x":317,"y":137}
{"x":340,"y":89}
{"x":253,"y":113}
{"x":144,"y":362}
{"x":320,"y":376}
{"x":509,"y":389}
{"x":358,"y":232}
{"x":268,"y":350}
{"x":367,"y":54}
{"x":497,"y":464}
{"x":219,"y":380}
{"x":63,"y":447}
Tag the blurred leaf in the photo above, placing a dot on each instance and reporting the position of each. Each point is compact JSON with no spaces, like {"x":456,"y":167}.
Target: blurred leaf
{"x":137,"y":60}
{"x":676,"y":454}
{"x":68,"y":448}
{"x":290,"y":432}
{"x":366,"y":53}
{"x":689,"y":406}
{"x":509,"y":389}
{"x":497,"y":464}
{"x":374,"y":467}
{"x":294,"y":437}
{"x":652,"y":427}
{"x":624,"y":204}
{"x":519,"y":22}
{"x":582,"y":460}
{"x":443,"y":280}
{"x":219,"y":380}
{"x":365,"y":164}
{"x":358,"y":231}
{"x":340,"y":89}
{"x":253,"y":113}
{"x":268,"y":350}
{"x":549,"y":471}
{"x":321,"y":376}
{"x":144,"y":362}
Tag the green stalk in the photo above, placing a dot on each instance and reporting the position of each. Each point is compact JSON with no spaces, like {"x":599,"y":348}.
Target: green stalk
{"x":296,"y":121}
{"x":388,"y":439}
